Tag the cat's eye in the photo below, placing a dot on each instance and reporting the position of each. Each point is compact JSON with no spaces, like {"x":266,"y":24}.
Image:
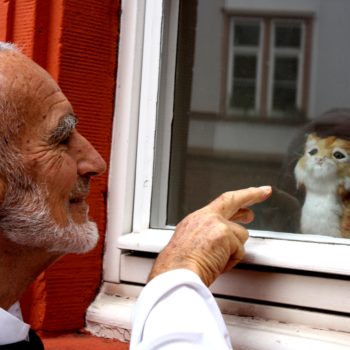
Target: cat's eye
{"x":313,"y":151}
{"x":339,"y":155}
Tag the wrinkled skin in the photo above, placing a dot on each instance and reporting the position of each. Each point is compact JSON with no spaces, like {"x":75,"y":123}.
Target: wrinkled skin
{"x":211,"y":241}
{"x":59,"y":163}
{"x":56,"y":165}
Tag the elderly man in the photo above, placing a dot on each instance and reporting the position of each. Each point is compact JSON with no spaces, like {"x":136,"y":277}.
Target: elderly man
{"x":45,"y":171}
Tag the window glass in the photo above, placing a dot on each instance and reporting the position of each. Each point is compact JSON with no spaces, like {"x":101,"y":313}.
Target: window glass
{"x":245,"y":56}
{"x":246,"y":33}
{"x":262,"y":98}
{"x":287,"y":56}
{"x":285,"y":83}
{"x":244,"y":82}
{"x":288,"y":35}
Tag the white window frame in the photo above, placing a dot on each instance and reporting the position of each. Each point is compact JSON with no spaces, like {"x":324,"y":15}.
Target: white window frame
{"x":245,"y":50}
{"x":298,"y":53}
{"x":294,"y":271}
{"x":272,"y":53}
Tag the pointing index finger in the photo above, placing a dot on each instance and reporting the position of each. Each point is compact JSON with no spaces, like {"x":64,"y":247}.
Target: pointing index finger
{"x":230,"y":202}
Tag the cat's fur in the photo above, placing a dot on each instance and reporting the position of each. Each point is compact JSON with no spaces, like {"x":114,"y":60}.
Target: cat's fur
{"x":324,"y":171}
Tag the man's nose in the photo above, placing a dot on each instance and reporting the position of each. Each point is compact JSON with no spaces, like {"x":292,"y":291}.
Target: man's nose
{"x":89,"y":162}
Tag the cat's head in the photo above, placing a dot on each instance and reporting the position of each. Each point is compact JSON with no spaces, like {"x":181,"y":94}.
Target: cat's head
{"x":324,"y":159}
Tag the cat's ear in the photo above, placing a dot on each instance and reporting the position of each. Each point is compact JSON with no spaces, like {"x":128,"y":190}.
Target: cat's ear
{"x":312,"y":136}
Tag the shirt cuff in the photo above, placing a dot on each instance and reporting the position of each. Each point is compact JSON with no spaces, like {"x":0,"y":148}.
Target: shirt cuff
{"x":184,"y":290}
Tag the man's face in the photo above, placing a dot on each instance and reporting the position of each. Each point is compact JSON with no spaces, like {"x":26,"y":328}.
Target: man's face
{"x":57,"y":163}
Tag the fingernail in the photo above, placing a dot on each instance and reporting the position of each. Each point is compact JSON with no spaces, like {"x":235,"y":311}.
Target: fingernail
{"x":267,"y":190}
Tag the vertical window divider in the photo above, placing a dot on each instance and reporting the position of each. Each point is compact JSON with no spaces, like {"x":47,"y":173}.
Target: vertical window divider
{"x":148,"y":113}
{"x":265,"y":68}
{"x":124,"y":141}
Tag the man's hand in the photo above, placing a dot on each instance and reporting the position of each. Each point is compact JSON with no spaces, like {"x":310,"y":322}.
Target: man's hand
{"x":210,"y":241}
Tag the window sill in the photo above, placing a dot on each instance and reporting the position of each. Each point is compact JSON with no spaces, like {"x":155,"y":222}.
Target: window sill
{"x":110,"y":316}
{"x":273,"y":249}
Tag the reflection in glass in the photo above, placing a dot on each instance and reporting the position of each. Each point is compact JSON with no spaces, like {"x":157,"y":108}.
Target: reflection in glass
{"x":247,"y":33}
{"x":288,"y":35}
{"x":244,"y":65}
{"x":285,"y":83}
{"x":250,"y":89}
{"x":284,"y":97}
{"x":323,"y":171}
{"x":288,"y":55}
{"x":286,"y":69}
{"x":244,"y":82}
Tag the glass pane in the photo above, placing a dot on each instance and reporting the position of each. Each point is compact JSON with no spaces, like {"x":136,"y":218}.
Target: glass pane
{"x":284,"y":98}
{"x":215,"y":148}
{"x":286,"y":68}
{"x":244,"y":82}
{"x":243,"y":95}
{"x":246,"y":34}
{"x":245,"y":66}
{"x":288,"y":35}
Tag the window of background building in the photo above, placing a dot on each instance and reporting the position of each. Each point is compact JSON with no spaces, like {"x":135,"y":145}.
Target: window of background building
{"x":266,"y":76}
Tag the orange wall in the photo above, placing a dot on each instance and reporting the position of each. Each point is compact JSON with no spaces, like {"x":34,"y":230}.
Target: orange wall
{"x":76,"y":41}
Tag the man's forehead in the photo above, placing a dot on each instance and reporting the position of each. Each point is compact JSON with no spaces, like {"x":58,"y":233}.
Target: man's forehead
{"x":17,"y":71}
{"x":40,"y":108}
{"x":14,"y":64}
{"x":29,"y":85}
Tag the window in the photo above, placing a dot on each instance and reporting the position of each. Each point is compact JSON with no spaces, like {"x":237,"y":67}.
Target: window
{"x":268,"y":55}
{"x":246,"y":61}
{"x":169,"y":139}
{"x":287,"y":53}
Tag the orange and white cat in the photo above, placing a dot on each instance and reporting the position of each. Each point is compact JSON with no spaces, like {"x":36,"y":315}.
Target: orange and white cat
{"x":324,"y":171}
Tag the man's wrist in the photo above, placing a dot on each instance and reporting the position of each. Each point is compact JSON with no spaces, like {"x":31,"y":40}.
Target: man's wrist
{"x":159,"y":269}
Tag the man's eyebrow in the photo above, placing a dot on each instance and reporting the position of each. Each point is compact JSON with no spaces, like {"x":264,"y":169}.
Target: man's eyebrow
{"x":64,"y":128}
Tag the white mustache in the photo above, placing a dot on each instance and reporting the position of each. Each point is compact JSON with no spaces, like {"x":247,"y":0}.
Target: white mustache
{"x":81,"y":188}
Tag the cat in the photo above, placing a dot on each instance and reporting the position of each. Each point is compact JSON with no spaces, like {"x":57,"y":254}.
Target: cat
{"x":324,"y":171}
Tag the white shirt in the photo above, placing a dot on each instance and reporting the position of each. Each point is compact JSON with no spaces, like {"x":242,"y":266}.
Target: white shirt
{"x":12,"y":327}
{"x":177,"y":311}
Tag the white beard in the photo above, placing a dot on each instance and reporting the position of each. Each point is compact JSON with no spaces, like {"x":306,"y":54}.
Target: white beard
{"x":26,"y":220}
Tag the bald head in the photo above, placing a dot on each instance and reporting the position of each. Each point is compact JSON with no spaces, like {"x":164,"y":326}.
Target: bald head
{"x":9,"y":118}
{"x":23,"y":88}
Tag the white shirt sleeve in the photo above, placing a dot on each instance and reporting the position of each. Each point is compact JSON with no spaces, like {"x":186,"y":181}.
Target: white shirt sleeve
{"x":12,"y":328}
{"x":177,"y":311}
